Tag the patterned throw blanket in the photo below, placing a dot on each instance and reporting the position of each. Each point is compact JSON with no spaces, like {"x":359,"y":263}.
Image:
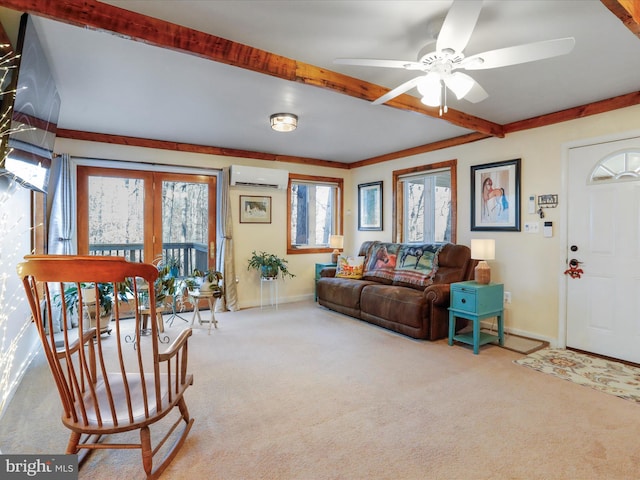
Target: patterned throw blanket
{"x":403,"y":264}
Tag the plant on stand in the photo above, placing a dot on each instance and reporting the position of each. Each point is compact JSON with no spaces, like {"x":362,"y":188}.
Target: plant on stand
{"x":210,"y":281}
{"x":90,"y":308}
{"x":269,"y":265}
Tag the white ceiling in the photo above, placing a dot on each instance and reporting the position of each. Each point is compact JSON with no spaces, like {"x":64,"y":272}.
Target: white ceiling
{"x":113,"y":85}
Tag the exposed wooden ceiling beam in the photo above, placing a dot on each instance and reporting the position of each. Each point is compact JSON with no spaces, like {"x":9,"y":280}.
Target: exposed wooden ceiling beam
{"x":594,"y":108}
{"x":135,"y":26}
{"x":191,"y":148}
{"x":628,"y":11}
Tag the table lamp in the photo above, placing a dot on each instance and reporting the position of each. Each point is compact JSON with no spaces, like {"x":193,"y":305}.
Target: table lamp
{"x":335,"y":242}
{"x":483,"y":249}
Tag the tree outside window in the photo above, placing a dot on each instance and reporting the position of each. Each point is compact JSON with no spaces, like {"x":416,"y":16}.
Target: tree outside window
{"x":315,"y":206}
{"x":425,"y":207}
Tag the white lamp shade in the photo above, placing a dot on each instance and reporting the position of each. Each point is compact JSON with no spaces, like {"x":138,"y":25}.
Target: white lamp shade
{"x":336,"y":241}
{"x":459,"y":83}
{"x":430,"y":88}
{"x":483,"y":249}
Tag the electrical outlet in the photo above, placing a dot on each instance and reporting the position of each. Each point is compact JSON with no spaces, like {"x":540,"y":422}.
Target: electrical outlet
{"x":531,"y":227}
{"x":507,"y":297}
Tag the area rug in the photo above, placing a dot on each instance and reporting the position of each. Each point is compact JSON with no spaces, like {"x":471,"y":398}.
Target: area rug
{"x":601,"y":374}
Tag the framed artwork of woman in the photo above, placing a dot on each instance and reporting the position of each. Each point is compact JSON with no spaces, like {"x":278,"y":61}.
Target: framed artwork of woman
{"x":495,"y":196}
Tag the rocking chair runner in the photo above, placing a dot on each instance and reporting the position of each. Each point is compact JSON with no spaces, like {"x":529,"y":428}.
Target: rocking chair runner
{"x":112,"y":385}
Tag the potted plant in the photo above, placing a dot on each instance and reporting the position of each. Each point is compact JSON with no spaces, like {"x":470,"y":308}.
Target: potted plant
{"x":106,"y":297}
{"x":165,"y":284}
{"x":174,"y":264}
{"x":269,"y":265}
{"x":210,"y":281}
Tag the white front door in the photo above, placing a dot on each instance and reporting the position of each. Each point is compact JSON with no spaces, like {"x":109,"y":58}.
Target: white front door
{"x":603,"y":304}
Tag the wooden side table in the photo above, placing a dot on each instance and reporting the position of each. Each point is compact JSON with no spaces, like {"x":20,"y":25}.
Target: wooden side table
{"x":197,"y":295}
{"x":475,"y":302}
{"x":144,"y":314}
{"x":319,"y":267}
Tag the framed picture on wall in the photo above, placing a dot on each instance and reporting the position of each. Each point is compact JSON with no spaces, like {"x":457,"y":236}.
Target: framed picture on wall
{"x":255,"y":209}
{"x":370,"y":206}
{"x":495,"y":196}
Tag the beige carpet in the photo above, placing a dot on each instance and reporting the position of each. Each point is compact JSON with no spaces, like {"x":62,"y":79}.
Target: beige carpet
{"x":304,"y":393}
{"x":601,"y":374}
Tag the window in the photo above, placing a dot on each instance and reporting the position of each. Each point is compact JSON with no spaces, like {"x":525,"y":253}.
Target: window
{"x":314,"y":212}
{"x":426,"y":204}
{"x":619,"y":166}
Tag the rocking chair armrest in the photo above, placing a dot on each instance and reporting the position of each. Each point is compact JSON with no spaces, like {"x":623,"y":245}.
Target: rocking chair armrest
{"x":75,"y":345}
{"x":176,"y":346}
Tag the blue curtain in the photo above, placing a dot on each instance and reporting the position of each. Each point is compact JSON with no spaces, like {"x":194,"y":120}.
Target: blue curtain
{"x":62,"y":217}
{"x":62,"y":220}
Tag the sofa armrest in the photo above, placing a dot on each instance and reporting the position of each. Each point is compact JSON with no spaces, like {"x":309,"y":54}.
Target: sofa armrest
{"x":328,"y":272}
{"x":438,"y":294}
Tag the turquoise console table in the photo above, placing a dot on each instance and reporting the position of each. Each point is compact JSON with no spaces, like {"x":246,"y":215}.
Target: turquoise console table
{"x":475,"y":302}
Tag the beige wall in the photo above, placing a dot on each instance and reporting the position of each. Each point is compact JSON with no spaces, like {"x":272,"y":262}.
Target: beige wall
{"x":247,"y":237}
{"x":529,"y":265}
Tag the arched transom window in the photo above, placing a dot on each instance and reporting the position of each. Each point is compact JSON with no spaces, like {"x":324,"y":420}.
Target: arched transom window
{"x":619,"y":166}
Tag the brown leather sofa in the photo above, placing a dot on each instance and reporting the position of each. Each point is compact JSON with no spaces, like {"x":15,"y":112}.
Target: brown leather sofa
{"x":408,"y":294}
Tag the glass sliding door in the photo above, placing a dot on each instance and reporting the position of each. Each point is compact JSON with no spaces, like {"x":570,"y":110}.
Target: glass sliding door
{"x":188,"y":233}
{"x":146,"y":216}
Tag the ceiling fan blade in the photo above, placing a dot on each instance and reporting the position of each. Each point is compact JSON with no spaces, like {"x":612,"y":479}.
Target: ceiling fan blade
{"x":476,"y":94}
{"x":458,"y":25}
{"x":399,"y":90}
{"x":529,"y":52}
{"x":372,"y":62}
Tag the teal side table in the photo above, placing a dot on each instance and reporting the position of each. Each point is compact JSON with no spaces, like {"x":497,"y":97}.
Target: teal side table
{"x":319,"y":267}
{"x":475,"y":302}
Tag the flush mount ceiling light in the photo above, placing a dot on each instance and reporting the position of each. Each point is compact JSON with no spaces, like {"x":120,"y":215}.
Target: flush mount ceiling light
{"x":284,"y":122}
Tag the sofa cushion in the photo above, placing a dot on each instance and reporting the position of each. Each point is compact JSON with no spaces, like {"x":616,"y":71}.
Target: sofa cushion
{"x":350,"y":267}
{"x":340,"y":291}
{"x":416,"y":265}
{"x":394,"y":304}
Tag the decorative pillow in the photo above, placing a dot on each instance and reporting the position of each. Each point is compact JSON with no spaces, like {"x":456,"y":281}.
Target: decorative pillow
{"x":381,"y":262}
{"x":416,"y":265}
{"x":350,"y":267}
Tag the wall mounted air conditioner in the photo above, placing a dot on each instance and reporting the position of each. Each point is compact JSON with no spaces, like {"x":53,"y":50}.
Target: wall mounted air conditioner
{"x":242,"y":176}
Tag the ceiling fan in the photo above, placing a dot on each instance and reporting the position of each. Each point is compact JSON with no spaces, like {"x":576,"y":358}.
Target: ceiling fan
{"x":440,"y":66}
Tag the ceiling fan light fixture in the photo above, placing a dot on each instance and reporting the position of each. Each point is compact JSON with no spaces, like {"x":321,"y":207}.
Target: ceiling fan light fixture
{"x":284,"y":122}
{"x":430,"y":88}
{"x":459,"y":83}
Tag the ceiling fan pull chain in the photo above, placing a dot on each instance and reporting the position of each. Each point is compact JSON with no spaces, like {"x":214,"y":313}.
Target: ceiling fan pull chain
{"x":444,"y":89}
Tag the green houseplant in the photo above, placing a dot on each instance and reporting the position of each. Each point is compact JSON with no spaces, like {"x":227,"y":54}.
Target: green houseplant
{"x":210,"y":281}
{"x":106,"y":297}
{"x":269,"y":265}
{"x":174,"y":265}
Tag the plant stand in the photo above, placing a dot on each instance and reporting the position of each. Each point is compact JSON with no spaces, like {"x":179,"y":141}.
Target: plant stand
{"x":272,"y":283}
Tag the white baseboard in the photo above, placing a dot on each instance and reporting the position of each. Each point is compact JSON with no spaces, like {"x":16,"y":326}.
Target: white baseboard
{"x":491,"y":325}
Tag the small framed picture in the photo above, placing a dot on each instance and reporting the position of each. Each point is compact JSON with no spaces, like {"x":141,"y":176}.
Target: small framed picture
{"x":495,"y":196}
{"x":370,"y":206}
{"x":255,"y":209}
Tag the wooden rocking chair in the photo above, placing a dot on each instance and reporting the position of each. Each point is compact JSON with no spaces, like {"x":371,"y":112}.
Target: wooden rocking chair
{"x":114,"y":384}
